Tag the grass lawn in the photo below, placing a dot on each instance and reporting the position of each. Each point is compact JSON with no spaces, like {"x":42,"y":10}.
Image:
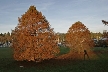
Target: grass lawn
{"x":8,"y":64}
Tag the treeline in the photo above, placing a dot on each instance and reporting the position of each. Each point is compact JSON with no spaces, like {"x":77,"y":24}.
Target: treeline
{"x":5,"y":39}
{"x":100,"y":39}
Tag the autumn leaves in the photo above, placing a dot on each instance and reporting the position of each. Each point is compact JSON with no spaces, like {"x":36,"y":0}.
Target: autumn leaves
{"x":78,"y":37}
{"x":35,"y":40}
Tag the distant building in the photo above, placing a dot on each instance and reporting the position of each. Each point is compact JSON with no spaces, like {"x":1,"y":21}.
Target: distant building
{"x":105,"y":34}
{"x":60,"y":37}
{"x":96,"y":36}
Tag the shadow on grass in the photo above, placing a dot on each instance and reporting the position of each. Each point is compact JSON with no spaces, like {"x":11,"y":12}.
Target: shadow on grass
{"x":57,"y":65}
{"x":45,"y":66}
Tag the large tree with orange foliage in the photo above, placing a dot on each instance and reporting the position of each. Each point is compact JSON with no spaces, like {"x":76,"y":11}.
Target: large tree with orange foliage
{"x":33,"y":38}
{"x":78,"y":38}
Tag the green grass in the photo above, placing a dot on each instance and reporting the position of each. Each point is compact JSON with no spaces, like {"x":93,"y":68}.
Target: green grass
{"x":63,"y":50}
{"x":8,"y":64}
{"x":5,"y":52}
{"x":101,"y":52}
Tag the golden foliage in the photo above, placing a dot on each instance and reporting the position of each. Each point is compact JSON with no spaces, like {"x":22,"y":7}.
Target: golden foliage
{"x":78,"y":38}
{"x":33,"y":38}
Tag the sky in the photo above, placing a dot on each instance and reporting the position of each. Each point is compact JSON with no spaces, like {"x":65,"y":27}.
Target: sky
{"x":61,"y":14}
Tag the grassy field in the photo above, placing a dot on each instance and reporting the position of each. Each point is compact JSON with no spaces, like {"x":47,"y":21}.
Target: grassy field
{"x":8,"y":64}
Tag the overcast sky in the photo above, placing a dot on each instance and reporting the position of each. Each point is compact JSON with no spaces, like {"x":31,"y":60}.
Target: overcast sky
{"x":61,"y":14}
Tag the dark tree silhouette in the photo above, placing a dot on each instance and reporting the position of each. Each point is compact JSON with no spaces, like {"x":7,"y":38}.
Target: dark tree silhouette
{"x":105,"y":22}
